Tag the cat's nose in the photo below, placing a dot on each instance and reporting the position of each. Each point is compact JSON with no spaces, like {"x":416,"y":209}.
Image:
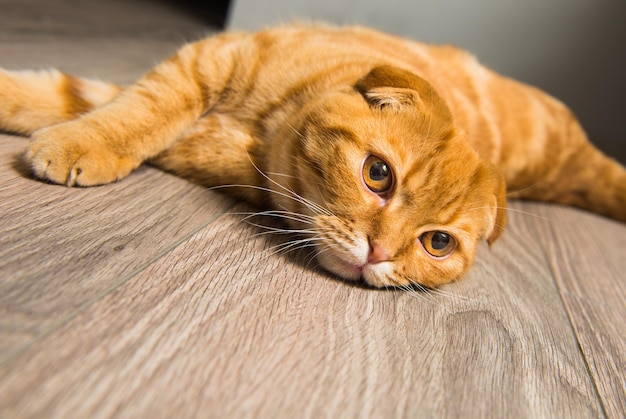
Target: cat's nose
{"x":377,"y":254}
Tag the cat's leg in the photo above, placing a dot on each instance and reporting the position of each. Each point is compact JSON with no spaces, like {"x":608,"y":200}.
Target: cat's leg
{"x":140,"y":122}
{"x":218,"y":151}
{"x":31,"y":100}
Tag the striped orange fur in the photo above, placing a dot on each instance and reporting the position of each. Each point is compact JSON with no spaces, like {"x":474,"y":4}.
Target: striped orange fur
{"x":390,"y":156}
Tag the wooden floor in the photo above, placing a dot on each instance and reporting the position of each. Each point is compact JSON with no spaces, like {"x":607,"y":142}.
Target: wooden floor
{"x":151,"y":298}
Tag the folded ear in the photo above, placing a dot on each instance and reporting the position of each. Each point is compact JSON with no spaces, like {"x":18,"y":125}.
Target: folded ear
{"x":497,"y":218}
{"x":387,"y":86}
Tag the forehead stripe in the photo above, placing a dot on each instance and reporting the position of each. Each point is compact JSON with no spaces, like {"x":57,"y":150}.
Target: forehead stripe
{"x":339,"y":132}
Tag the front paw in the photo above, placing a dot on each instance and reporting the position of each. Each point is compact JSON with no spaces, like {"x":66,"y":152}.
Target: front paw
{"x":72,"y":155}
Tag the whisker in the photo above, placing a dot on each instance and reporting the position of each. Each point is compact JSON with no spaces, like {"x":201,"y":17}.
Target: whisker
{"x":298,"y":133}
{"x":292,"y":243}
{"x":519,"y":211}
{"x":425,"y":292}
{"x":286,"y":215}
{"x":419,"y":294}
{"x":273,"y":212}
{"x":321,"y":250}
{"x":295,"y":196}
{"x":317,"y":183}
{"x":292,"y":196}
{"x":407,"y":288}
{"x":287,"y":247}
{"x":266,"y":233}
{"x":450,"y":295}
{"x":278,"y":230}
{"x":516,"y":193}
{"x":281,"y":175}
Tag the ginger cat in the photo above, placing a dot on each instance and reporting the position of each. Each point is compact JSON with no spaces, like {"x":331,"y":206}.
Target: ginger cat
{"x":391,"y":157}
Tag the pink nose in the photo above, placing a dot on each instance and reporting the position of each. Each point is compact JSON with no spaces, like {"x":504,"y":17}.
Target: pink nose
{"x":377,"y":254}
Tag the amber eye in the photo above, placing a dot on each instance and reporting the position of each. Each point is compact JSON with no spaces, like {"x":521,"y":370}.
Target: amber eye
{"x":377,"y":174}
{"x":438,"y":243}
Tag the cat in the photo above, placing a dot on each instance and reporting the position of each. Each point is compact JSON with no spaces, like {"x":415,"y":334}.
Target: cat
{"x":393,"y":158}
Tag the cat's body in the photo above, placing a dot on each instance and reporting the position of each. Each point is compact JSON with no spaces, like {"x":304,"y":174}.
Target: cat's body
{"x":390,"y":153}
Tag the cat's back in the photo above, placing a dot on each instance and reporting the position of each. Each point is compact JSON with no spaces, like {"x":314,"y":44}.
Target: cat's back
{"x":283,"y":68}
{"x":319,"y":48}
{"x":303,"y":60}
{"x":312,"y":57}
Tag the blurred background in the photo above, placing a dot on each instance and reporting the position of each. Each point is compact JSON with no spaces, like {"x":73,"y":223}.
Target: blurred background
{"x":573,"y":49}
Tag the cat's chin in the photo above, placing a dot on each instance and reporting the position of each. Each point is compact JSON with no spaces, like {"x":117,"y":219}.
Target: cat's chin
{"x":343,"y":268}
{"x":369,"y":273}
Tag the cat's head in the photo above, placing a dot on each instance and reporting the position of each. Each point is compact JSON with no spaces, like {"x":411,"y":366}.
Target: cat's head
{"x":399,"y":195}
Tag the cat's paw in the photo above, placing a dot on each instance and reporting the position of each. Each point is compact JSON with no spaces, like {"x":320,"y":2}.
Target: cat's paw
{"x":70,"y":155}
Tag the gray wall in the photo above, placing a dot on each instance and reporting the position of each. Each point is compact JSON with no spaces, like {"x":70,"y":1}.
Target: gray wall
{"x":573,"y":49}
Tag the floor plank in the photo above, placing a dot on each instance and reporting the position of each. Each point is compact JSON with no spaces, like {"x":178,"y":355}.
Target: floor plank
{"x":61,"y":248}
{"x":587,"y":253}
{"x":216,"y":326}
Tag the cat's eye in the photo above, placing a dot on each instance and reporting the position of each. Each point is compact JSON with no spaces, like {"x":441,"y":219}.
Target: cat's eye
{"x":377,"y":174}
{"x":438,"y":244}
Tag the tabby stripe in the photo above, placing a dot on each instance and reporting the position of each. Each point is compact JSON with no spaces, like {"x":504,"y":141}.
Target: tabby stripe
{"x":249,"y":77}
{"x":290,"y":95}
{"x":295,"y":92}
{"x":313,"y":164}
{"x":339,"y":132}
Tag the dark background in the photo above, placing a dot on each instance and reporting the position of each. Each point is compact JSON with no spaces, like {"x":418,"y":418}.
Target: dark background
{"x":214,"y":12}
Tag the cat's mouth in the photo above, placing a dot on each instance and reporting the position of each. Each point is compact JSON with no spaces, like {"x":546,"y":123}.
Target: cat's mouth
{"x":371,"y":274}
{"x":341,"y":267}
{"x":354,"y":267}
{"x":355,"y":270}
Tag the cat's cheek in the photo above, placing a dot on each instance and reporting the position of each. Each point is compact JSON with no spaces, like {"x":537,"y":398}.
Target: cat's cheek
{"x":450,"y":270}
{"x":372,"y":199}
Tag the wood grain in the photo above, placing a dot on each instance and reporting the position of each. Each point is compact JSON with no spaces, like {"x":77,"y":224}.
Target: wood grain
{"x":587,"y":257}
{"x":217,"y":327}
{"x":61,"y":248}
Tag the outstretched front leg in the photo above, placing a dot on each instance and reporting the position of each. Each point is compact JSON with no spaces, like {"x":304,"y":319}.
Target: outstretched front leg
{"x":106,"y":144}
